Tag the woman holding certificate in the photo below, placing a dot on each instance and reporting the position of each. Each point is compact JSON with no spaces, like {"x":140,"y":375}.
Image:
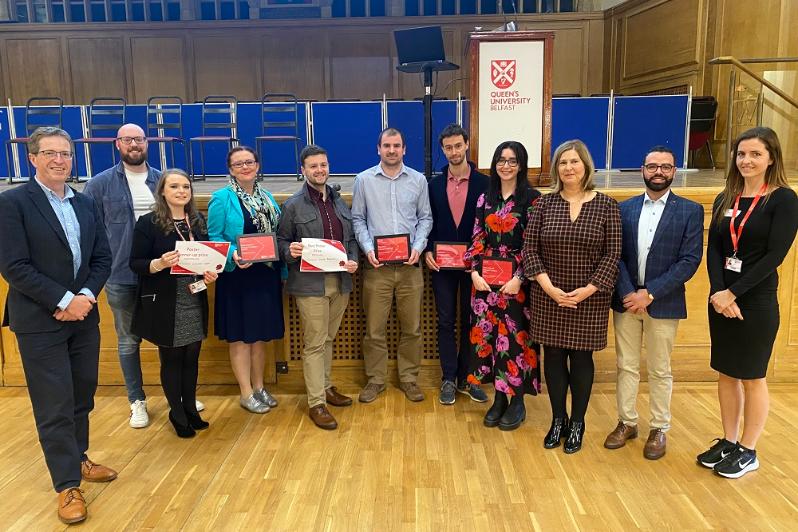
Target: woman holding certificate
{"x":172,"y":310}
{"x":505,"y":354}
{"x":571,"y":250}
{"x":249,"y":304}
{"x":753,"y":225}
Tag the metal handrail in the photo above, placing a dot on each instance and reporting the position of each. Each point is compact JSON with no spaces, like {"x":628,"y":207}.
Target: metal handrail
{"x":765,"y":60}
{"x":729,"y":60}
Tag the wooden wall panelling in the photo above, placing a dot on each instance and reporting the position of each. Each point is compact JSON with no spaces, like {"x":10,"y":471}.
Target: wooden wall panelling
{"x":97,"y":68}
{"x":34,"y":67}
{"x":159,"y":68}
{"x":294,"y":62}
{"x":362,"y":65}
{"x":571,"y":52}
{"x":594,"y":50}
{"x":226,"y":64}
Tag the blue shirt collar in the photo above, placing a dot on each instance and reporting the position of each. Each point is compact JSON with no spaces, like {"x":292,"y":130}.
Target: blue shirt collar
{"x":68,"y":192}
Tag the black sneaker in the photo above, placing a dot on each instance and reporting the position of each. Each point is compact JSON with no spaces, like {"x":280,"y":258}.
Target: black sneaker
{"x":738,"y":463}
{"x":716,"y":453}
{"x":446,"y":397}
{"x":473,"y":391}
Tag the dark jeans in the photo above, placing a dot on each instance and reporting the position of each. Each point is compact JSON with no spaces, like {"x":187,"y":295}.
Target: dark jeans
{"x":445,"y":285}
{"x":122,"y":300}
{"x":61,"y":371}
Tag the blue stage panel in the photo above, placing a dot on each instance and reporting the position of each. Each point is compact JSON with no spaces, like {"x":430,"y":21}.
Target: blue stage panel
{"x":215,"y":152}
{"x":584,"y":119}
{"x":408,"y":117}
{"x":5,"y":134}
{"x":641,"y":122}
{"x":348,"y":131}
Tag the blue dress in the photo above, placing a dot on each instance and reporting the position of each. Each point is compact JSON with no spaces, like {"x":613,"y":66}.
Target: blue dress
{"x":249,"y":302}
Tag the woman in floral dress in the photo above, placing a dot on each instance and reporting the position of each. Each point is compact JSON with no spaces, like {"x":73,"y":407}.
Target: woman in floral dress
{"x":504,"y":353}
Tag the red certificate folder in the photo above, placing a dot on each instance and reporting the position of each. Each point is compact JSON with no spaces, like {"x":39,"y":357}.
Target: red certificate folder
{"x":449,"y":255}
{"x":497,"y":271}
{"x":392,"y":249}
{"x":257,"y":247}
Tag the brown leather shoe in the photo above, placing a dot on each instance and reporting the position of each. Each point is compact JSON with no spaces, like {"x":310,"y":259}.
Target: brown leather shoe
{"x":617,"y":438}
{"x":655,"y":445}
{"x":334,"y":398}
{"x":412,"y":391}
{"x":71,"y":506}
{"x":370,"y":392}
{"x":322,"y":417}
{"x":92,"y":472}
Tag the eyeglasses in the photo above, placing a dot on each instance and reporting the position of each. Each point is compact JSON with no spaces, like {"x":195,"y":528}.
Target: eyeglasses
{"x":512,"y":163}
{"x":241,"y":164}
{"x":666,"y":168}
{"x":127,"y":141}
{"x":52,"y":154}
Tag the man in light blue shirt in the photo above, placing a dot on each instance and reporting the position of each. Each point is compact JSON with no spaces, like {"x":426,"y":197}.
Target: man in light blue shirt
{"x":391,"y":199}
{"x":55,"y":257}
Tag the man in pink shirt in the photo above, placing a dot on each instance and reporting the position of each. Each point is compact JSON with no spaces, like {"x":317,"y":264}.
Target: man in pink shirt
{"x":453,"y":197}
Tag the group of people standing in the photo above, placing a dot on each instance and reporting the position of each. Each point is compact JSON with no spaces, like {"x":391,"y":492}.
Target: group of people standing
{"x":573,"y":254}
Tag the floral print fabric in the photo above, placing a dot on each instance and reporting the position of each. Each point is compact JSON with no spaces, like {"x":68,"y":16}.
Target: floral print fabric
{"x":504,"y":352}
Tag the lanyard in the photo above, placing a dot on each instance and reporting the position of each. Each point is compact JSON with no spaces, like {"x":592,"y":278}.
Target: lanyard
{"x":180,"y":234}
{"x":736,"y":235}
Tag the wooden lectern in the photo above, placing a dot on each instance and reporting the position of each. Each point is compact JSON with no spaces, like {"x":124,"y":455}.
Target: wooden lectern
{"x":511,"y":96}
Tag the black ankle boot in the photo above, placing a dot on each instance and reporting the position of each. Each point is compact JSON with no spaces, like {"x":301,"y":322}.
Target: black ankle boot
{"x":183,"y":431}
{"x":557,"y":431}
{"x":574,"y":441}
{"x":514,"y":415}
{"x":496,"y":411}
{"x":196,"y":422}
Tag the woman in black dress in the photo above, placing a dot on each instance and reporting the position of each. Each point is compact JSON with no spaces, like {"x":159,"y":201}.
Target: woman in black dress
{"x":743,"y":307}
{"x":503,"y":351}
{"x":172,"y":310}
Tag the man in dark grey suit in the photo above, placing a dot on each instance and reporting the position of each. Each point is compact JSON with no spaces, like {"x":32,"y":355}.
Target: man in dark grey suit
{"x":662,"y":245}
{"x":55,"y":257}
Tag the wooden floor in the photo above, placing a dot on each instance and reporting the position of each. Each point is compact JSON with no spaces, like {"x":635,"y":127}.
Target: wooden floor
{"x":396,"y":465}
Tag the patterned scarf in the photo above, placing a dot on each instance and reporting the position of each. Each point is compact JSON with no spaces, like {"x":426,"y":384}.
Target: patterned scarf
{"x":264,"y":213}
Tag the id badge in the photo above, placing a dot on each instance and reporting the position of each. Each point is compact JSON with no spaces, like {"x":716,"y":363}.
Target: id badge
{"x":734,"y":264}
{"x":730,"y":212}
{"x":196,"y":288}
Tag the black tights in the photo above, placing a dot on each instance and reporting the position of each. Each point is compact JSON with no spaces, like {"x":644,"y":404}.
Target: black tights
{"x":558,"y":377}
{"x":179,"y":368}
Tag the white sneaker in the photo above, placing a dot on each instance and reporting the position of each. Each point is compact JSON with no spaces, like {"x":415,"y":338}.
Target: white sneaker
{"x":138,"y":414}
{"x":200,"y":405}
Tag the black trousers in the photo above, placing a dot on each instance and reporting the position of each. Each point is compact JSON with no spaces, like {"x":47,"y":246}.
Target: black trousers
{"x":179,"y":370}
{"x":445,"y":285}
{"x":61,"y":371}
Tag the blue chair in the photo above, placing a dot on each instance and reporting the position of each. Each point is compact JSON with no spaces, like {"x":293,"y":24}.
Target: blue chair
{"x":218,"y":114}
{"x":105,"y":115}
{"x":40,"y":111}
{"x":280,"y":123}
{"x":165,"y":113}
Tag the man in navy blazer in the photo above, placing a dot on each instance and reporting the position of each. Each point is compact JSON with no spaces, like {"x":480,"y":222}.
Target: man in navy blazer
{"x":453,"y":198}
{"x":662,"y":246}
{"x":55,"y":257}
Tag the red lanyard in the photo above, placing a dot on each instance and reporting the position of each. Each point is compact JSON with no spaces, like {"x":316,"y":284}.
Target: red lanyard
{"x":180,"y":234}
{"x":735,"y":235}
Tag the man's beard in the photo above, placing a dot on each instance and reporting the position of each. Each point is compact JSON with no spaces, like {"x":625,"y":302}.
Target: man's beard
{"x":658,"y":187}
{"x":134,"y":158}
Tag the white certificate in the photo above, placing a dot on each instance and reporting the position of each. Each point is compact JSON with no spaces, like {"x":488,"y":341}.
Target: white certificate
{"x":321,"y":255}
{"x":197,"y":257}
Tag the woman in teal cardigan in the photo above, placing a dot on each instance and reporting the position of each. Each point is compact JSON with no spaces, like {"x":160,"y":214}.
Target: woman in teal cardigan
{"x":249,"y":302}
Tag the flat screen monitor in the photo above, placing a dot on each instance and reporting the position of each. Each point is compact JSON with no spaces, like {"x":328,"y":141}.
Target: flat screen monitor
{"x":416,"y":45}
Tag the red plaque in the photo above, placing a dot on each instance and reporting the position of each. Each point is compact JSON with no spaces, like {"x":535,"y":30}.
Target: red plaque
{"x":449,"y":255}
{"x":257,"y":247}
{"x":392,"y":249}
{"x":497,"y":271}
